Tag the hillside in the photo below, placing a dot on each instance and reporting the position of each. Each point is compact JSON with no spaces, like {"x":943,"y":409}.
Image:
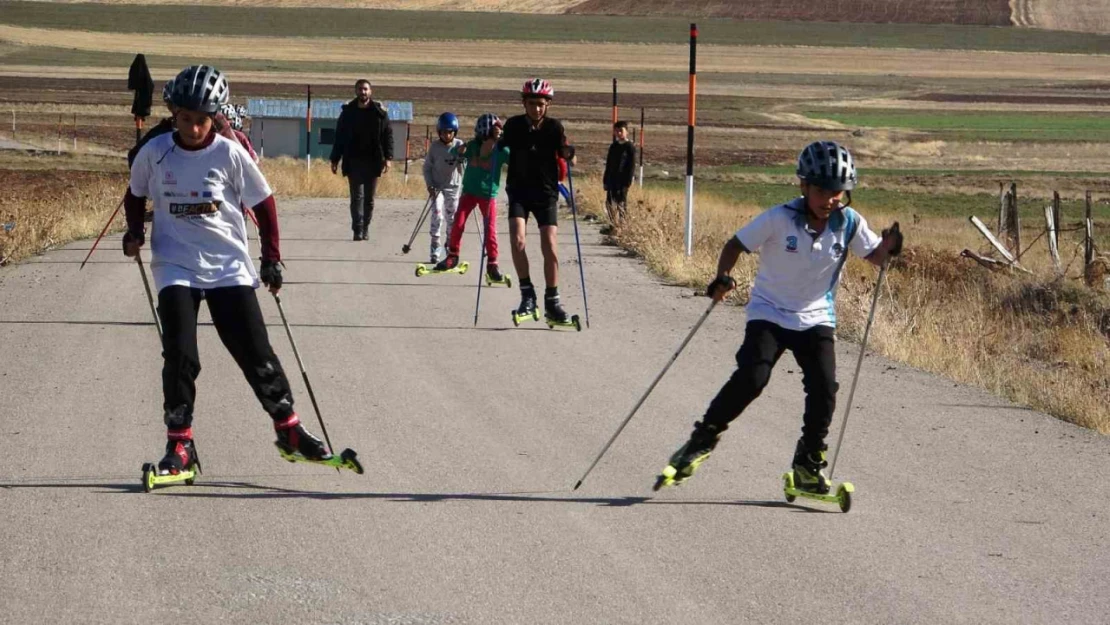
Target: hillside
{"x":1091,"y":16}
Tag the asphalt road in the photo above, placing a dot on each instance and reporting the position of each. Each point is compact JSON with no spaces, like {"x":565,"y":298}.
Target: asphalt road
{"x":967,"y":509}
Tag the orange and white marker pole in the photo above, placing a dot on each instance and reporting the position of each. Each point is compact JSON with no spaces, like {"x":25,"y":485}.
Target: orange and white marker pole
{"x":614,"y":100}
{"x":641,"y":147}
{"x":690,"y":140}
{"x":308,"y":132}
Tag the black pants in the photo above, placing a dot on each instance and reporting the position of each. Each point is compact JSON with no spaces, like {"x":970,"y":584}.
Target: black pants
{"x":616,"y":202}
{"x":363,"y":184}
{"x":238,"y":321}
{"x":764,"y":342}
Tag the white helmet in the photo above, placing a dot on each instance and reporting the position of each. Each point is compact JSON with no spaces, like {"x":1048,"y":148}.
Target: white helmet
{"x":231,"y":112}
{"x":485,"y":125}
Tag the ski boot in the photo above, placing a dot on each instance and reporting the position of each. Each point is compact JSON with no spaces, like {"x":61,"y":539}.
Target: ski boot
{"x":296,"y":444}
{"x":686,"y":460}
{"x":180,"y":464}
{"x":527,"y":306}
{"x":557,"y":317}
{"x":451,"y":264}
{"x":807,"y":479}
{"x":494,"y":276}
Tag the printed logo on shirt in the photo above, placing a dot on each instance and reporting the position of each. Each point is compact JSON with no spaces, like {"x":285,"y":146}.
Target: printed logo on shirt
{"x":791,"y":243}
{"x":173,"y":194}
{"x":837,"y":249}
{"x":206,"y":194}
{"x":168,"y":178}
{"x":201,"y":209}
{"x":194,"y":194}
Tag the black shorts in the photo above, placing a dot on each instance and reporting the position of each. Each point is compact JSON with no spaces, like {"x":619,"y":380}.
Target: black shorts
{"x":546,"y":210}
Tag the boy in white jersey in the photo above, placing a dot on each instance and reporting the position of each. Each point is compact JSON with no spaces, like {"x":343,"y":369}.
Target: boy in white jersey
{"x":802,"y":247}
{"x":198,"y":181}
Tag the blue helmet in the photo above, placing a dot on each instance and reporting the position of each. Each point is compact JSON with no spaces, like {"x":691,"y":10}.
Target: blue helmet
{"x":447,"y":121}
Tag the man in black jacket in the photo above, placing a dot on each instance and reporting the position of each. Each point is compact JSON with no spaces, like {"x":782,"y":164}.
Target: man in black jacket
{"x":364,"y":142}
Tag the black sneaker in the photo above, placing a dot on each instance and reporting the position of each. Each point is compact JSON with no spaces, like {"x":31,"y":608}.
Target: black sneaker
{"x":293,"y":438}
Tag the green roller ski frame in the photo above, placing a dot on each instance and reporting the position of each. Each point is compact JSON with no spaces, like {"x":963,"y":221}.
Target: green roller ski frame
{"x":423,"y":269}
{"x":152,"y":479}
{"x":347,"y":459}
{"x":573,"y":322}
{"x":534,"y":316}
{"x":842,"y":498}
{"x":508,"y":281}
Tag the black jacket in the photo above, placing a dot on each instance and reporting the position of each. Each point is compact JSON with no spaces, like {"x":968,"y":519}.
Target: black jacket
{"x":619,"y":165}
{"x":363,"y":137}
{"x":533,"y":163}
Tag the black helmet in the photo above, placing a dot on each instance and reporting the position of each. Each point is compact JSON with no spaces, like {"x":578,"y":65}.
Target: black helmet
{"x":200,"y":88}
{"x":828,"y":165}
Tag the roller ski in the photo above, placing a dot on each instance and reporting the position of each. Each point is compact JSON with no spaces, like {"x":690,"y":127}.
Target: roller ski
{"x":556,"y":317}
{"x":451,"y":264}
{"x":295,"y":444}
{"x":494,"y":276}
{"x":527,"y":309}
{"x":689,"y":457}
{"x":807,"y":479}
{"x":181,"y":464}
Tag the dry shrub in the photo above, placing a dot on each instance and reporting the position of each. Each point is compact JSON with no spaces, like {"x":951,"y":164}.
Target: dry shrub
{"x":289,"y":177}
{"x":45,"y":209}
{"x":1041,"y":342}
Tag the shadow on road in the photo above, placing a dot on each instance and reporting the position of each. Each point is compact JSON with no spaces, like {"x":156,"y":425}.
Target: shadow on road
{"x":243,"y":490}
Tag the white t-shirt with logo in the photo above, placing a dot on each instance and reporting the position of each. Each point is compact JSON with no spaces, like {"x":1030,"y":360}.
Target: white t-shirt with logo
{"x":799,"y":270}
{"x":199,"y":236}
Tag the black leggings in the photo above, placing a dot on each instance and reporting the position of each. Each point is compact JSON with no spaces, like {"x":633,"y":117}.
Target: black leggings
{"x":764,"y":342}
{"x":238,"y":321}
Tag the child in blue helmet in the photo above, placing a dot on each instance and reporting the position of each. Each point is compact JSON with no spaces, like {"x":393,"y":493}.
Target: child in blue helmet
{"x":802,"y":247}
{"x":443,"y":177}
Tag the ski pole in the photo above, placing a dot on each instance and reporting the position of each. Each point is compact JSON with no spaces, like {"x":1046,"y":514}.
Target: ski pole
{"x":643,"y":398}
{"x":304,"y":374}
{"x":101,"y":235}
{"x":481,"y":268}
{"x":859,"y":363}
{"x":577,"y":242}
{"x":149,"y":296}
{"x":420,"y":222}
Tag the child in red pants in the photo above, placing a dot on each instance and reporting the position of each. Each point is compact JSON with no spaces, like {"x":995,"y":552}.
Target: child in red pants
{"x":481,"y":182}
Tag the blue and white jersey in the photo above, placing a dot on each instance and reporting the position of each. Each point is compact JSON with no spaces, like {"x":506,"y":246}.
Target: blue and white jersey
{"x":799,"y":269}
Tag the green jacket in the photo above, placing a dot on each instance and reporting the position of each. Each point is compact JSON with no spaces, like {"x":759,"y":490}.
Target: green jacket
{"x":483,"y":175}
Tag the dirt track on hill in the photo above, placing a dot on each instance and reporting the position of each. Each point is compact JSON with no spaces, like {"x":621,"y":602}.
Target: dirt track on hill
{"x":791,"y":60}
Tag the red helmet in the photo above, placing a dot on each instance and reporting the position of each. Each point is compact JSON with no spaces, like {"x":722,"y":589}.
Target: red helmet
{"x":537,"y":88}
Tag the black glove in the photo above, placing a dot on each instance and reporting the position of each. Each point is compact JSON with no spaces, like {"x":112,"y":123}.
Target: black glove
{"x":896,"y":232}
{"x":133,"y":239}
{"x":719,"y":287}
{"x":271,"y":274}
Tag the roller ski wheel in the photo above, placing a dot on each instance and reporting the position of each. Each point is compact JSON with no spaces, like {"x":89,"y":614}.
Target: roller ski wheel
{"x":347,"y":459}
{"x":153,"y":478}
{"x":842,"y":497}
{"x":572,"y":322}
{"x":423,"y":269}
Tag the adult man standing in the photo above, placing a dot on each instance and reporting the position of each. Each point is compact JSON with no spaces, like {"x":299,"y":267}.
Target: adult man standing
{"x":364,"y":142}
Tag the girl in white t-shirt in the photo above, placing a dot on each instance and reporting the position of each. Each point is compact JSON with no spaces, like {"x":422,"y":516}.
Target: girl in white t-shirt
{"x":199,"y":181}
{"x":802,"y":247}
